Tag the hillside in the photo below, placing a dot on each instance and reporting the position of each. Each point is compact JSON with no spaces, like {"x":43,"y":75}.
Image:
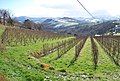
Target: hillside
{"x":32,"y":55}
{"x":80,"y":26}
{"x":59,"y":24}
{"x":74,"y":26}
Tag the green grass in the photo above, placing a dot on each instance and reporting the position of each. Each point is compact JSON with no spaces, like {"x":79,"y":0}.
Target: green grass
{"x":15,"y":62}
{"x":17,"y":65}
{"x":83,"y":68}
{"x":106,"y":69}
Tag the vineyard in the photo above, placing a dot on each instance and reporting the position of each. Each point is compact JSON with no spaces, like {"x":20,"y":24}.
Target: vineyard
{"x":32,"y":55}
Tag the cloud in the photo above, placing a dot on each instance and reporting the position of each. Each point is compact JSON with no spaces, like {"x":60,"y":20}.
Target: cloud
{"x":62,"y":6}
{"x":57,"y":8}
{"x":102,"y":13}
{"x":55,"y":4}
{"x":75,"y":13}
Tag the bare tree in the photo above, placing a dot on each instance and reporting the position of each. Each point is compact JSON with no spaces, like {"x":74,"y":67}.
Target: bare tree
{"x":5,"y":17}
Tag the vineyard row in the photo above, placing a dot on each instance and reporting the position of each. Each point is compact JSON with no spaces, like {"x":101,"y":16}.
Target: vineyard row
{"x":111,"y":45}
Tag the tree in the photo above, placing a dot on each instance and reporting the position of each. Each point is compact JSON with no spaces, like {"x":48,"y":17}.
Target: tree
{"x":31,"y":25}
{"x":28,"y":24}
{"x":5,"y":17}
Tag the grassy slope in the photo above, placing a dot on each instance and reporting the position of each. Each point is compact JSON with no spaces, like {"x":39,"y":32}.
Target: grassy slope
{"x":83,"y":67}
{"x":106,"y":70}
{"x":16,"y":65}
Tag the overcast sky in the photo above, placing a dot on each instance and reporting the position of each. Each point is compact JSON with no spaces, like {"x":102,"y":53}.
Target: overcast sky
{"x":60,"y":8}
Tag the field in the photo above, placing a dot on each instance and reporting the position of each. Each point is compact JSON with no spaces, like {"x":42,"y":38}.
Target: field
{"x":71,"y":59}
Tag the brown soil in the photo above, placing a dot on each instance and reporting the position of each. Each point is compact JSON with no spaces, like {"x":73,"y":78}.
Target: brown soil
{"x":2,"y":78}
{"x":46,"y":67}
